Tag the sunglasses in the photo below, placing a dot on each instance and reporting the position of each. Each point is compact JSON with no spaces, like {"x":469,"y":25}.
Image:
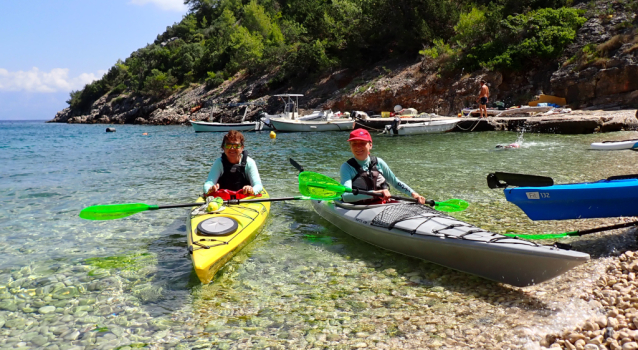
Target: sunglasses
{"x":232,"y":146}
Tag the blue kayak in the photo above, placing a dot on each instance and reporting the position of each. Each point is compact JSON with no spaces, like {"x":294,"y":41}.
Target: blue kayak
{"x":613,"y":197}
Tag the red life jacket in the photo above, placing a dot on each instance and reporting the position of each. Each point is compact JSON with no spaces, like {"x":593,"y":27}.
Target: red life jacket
{"x":228,"y":194}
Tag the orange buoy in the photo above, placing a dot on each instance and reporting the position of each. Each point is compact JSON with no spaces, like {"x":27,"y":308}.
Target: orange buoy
{"x":145,"y":134}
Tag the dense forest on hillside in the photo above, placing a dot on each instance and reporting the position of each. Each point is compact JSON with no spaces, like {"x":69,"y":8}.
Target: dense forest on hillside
{"x":297,"y":39}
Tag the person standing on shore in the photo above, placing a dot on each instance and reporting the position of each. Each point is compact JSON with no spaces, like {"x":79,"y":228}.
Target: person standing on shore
{"x":482,"y":99}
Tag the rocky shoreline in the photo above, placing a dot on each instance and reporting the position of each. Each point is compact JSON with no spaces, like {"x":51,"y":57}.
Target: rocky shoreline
{"x":616,"y":294}
{"x":610,"y":81}
{"x":576,"y":122}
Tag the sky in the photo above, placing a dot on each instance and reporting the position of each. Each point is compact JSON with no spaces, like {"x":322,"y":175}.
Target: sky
{"x":50,"y":48}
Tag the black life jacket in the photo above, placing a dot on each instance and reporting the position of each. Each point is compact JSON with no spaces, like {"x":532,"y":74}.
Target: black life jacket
{"x":370,"y":180}
{"x":234,"y":177}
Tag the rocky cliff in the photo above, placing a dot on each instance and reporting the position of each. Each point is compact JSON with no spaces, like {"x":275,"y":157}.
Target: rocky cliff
{"x":599,"y":69}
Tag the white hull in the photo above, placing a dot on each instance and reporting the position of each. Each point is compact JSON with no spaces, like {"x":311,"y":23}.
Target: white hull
{"x":306,"y":126}
{"x":615,"y":145}
{"x":437,"y":126}
{"x":225,"y":127}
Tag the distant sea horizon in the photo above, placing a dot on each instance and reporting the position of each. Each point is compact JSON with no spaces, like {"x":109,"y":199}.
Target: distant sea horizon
{"x":23,"y":120}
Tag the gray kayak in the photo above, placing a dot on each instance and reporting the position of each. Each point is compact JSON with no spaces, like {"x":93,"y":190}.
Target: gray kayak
{"x":422,"y":232}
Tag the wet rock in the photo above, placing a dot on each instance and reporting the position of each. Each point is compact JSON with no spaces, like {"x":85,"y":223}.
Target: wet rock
{"x":8,"y":305}
{"x":46,"y":309}
{"x":17,"y":323}
{"x":39,"y":340}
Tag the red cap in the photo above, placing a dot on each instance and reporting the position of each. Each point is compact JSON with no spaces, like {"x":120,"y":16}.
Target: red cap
{"x":360,"y":134}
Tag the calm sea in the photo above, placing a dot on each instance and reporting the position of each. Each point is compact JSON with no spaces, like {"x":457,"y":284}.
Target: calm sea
{"x":106,"y":284}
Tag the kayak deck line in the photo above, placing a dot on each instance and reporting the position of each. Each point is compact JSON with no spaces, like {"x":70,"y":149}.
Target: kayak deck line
{"x":412,"y":211}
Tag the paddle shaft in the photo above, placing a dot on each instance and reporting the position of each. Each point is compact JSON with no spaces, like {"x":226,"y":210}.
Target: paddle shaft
{"x":572,"y":233}
{"x":239,"y":201}
{"x":413,"y":200}
{"x":173,"y":206}
{"x":230,"y":201}
{"x":600,"y":229}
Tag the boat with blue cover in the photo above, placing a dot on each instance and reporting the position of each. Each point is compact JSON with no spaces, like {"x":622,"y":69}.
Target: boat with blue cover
{"x":542,"y":200}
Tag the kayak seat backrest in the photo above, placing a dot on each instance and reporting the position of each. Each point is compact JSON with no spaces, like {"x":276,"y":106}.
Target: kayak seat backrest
{"x":520,"y":180}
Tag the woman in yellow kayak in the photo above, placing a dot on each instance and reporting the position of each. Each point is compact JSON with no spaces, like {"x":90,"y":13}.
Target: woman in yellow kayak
{"x":369,"y":173}
{"x":234,"y":170}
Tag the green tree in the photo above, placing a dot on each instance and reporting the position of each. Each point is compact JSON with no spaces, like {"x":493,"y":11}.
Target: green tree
{"x":158,"y":83}
{"x":471,"y":27}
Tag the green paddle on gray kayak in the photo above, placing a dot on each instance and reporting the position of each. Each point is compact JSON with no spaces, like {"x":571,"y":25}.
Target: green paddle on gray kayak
{"x":321,"y":187}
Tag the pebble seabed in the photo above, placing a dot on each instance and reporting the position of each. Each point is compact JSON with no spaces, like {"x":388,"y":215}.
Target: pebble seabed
{"x":113,"y":303}
{"x":302,"y":283}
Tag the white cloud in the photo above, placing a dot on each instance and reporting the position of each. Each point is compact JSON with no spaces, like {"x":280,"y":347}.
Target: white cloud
{"x":166,"y":5}
{"x":34,"y":80}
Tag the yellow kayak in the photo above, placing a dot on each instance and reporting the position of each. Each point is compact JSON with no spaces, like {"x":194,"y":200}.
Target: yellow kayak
{"x":214,"y":238}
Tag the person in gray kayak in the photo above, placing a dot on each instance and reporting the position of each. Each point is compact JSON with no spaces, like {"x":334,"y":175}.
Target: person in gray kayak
{"x":234,"y":170}
{"x":369,"y":173}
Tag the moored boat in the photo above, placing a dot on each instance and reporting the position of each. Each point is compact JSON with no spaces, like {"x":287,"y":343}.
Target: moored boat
{"x":363,"y":120}
{"x":427,"y":234}
{"x":615,"y":145}
{"x":313,"y":125}
{"x":290,"y":120}
{"x":214,"y":238}
{"x":612,"y":197}
{"x":201,"y":126}
{"x":429,"y":127}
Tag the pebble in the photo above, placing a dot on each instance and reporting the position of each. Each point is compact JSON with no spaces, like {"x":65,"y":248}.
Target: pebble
{"x":362,"y":303}
{"x":46,"y":309}
{"x":617,"y":293}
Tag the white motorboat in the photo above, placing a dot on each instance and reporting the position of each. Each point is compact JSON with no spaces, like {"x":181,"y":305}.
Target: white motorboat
{"x":340,"y":124}
{"x":203,"y":126}
{"x":290,"y":120}
{"x":200,"y":126}
{"x":429,"y":127}
{"x":291,"y":110}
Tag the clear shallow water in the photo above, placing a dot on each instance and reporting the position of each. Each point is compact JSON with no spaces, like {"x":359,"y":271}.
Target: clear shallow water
{"x":303,"y":283}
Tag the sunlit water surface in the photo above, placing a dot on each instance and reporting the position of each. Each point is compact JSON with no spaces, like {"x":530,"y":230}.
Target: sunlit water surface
{"x":70,"y":283}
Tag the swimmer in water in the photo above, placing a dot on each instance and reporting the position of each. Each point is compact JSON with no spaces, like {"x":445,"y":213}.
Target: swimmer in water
{"x":511,"y":145}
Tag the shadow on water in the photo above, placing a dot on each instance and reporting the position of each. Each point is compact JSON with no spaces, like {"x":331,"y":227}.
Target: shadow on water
{"x":414,"y":272}
{"x":174,"y":276}
{"x":606,"y":245}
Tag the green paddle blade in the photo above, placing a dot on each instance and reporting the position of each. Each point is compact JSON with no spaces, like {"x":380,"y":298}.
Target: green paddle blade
{"x":543,"y":236}
{"x":451,"y":205}
{"x":114,"y":211}
{"x":320,"y":187}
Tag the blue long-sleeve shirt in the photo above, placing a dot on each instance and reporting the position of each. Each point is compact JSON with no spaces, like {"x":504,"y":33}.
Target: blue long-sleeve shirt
{"x":347,"y":173}
{"x":217,"y":170}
